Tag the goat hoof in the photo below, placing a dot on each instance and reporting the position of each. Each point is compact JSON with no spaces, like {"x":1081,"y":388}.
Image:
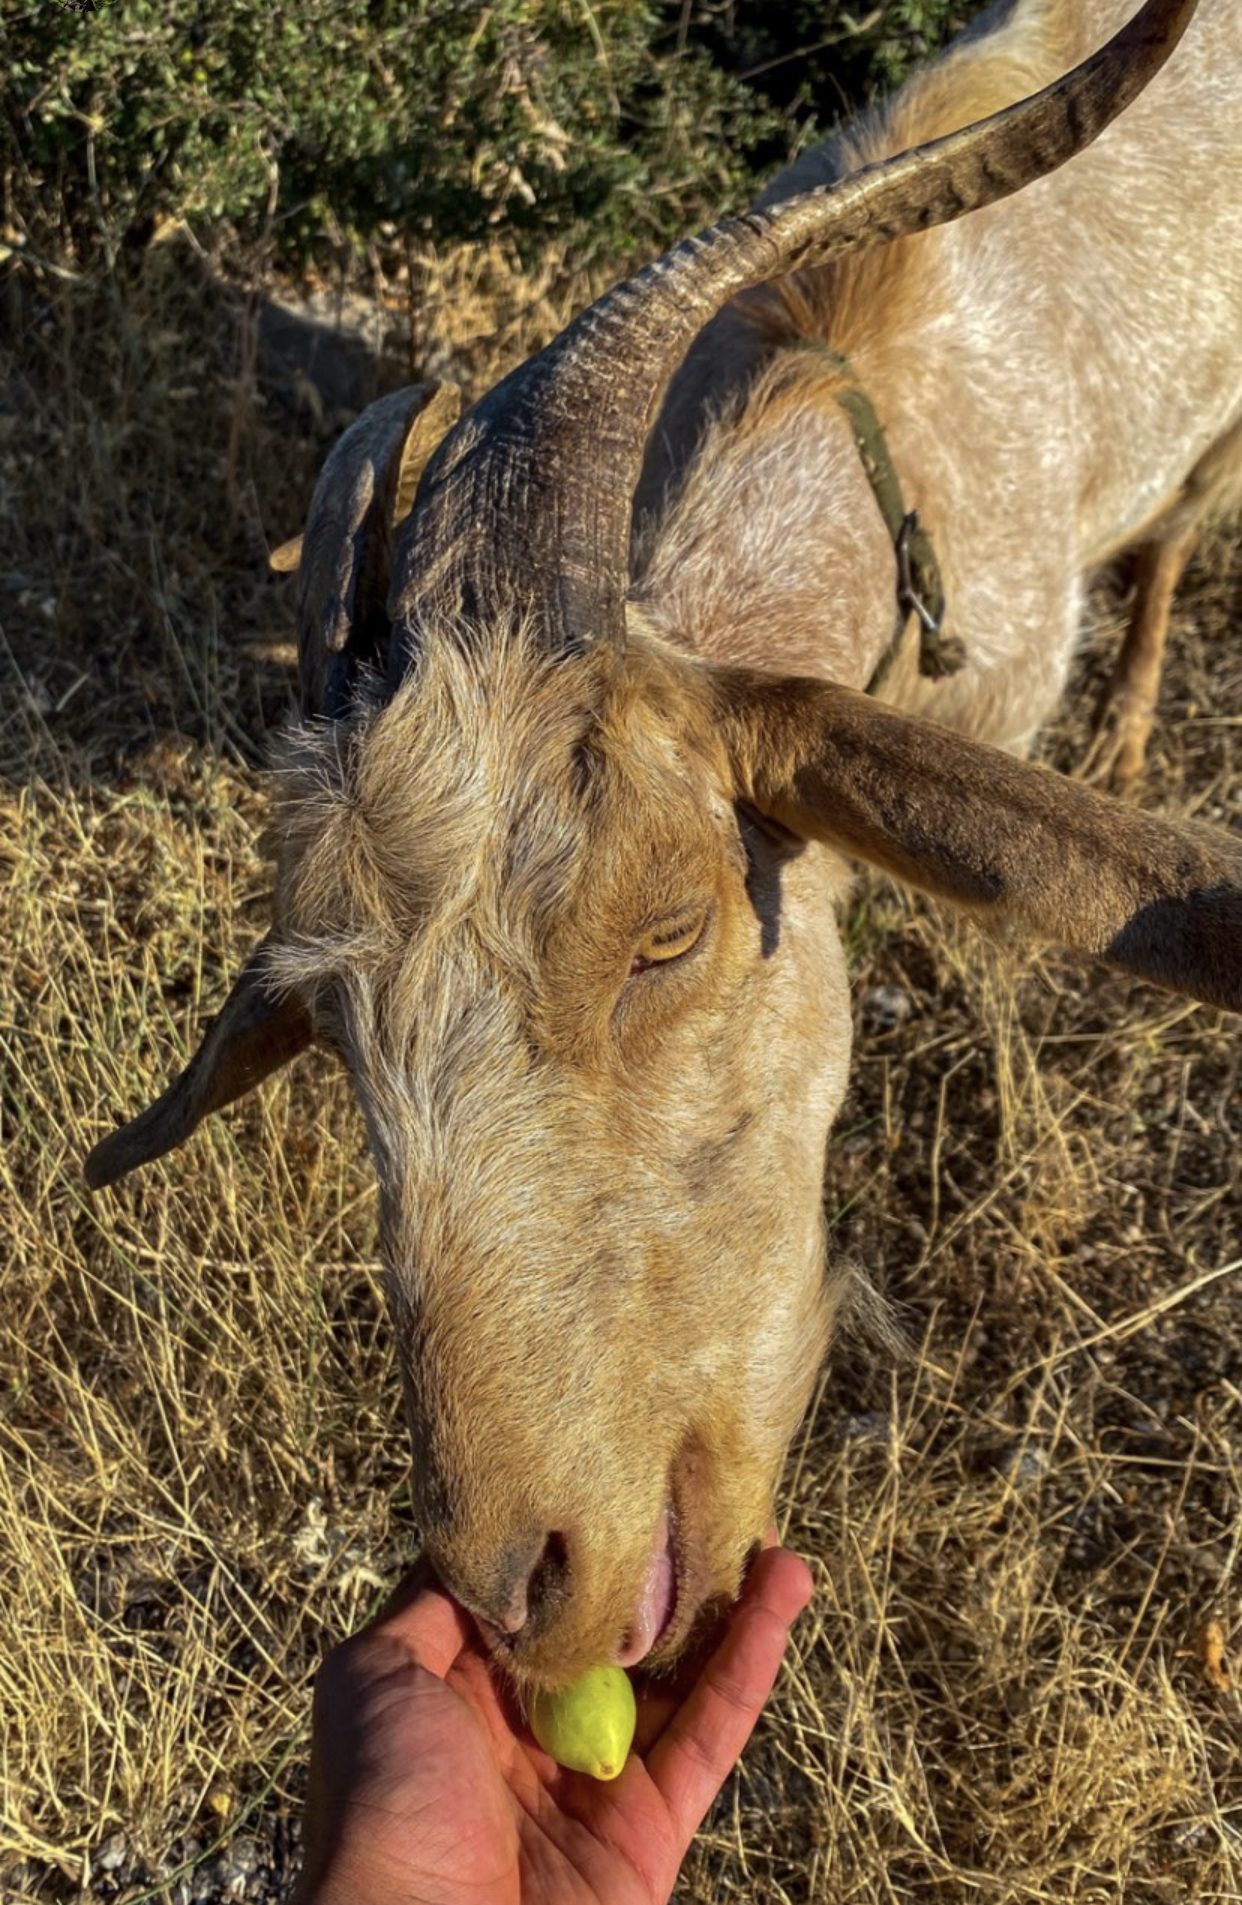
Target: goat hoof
{"x":1117,"y":753}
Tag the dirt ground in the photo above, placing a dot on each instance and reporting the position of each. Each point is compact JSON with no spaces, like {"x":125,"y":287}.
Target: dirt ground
{"x":1024,"y":1519}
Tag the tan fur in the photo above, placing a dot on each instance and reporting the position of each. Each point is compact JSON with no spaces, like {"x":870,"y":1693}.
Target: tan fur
{"x":1055,"y":374}
{"x":600,"y":1190}
{"x":601,"y":1178}
{"x":594,"y":1306}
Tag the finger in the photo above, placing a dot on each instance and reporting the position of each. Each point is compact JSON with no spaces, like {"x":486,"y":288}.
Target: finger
{"x":781,"y":1580}
{"x":422,"y":1615}
{"x":659,"y":1699}
{"x":692,"y":1759}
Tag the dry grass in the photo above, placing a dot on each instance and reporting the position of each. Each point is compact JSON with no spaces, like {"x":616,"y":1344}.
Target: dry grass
{"x":1020,"y":1527}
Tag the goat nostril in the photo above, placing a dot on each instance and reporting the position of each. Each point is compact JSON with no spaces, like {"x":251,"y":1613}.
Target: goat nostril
{"x":542,"y":1589}
{"x":525,"y":1589}
{"x":548,"y":1586}
{"x":513,"y":1617}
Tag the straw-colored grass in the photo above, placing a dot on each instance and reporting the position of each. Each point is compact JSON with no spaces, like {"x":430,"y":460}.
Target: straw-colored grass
{"x":1021,"y":1525}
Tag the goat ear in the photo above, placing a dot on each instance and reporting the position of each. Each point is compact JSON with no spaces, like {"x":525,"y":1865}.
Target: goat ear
{"x":364,"y":493}
{"x":252,"y":1036}
{"x":1009,"y":841}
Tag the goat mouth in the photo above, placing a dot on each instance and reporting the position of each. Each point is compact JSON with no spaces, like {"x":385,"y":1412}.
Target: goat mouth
{"x":659,"y":1596}
{"x":678,"y":1581}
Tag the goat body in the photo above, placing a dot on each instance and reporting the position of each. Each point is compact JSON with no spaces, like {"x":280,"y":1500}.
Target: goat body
{"x":1059,"y":377}
{"x":561,"y":839}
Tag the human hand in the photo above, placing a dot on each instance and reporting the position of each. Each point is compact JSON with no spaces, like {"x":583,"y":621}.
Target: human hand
{"x":427,"y":1787}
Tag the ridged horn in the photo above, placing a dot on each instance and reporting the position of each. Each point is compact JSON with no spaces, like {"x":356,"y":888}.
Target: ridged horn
{"x":527,"y":502}
{"x":365,"y":490}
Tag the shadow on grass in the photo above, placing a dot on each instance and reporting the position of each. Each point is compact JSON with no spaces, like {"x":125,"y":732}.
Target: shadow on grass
{"x":160,"y":433}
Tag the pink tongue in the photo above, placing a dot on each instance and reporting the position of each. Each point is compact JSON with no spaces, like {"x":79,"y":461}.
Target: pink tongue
{"x":655,"y":1603}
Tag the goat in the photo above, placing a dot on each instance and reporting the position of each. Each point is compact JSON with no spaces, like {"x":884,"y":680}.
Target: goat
{"x":586,"y":740}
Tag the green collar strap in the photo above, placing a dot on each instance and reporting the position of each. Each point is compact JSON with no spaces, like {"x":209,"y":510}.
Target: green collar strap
{"x":920,"y":590}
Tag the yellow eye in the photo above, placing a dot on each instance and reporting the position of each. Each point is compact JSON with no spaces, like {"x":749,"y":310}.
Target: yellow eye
{"x":668,"y":942}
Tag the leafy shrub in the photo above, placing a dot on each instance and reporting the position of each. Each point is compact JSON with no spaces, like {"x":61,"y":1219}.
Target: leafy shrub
{"x":817,"y":60}
{"x":617,"y":122}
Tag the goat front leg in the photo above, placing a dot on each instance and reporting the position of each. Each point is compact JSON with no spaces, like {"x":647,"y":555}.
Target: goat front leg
{"x":1127,"y":707}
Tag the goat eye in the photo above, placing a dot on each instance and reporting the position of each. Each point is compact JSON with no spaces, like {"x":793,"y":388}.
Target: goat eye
{"x":668,"y":943}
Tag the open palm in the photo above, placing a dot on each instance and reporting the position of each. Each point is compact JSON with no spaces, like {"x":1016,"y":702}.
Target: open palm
{"x":427,"y":1786}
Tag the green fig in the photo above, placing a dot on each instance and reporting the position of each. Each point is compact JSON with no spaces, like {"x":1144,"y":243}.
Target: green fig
{"x":587,"y":1726}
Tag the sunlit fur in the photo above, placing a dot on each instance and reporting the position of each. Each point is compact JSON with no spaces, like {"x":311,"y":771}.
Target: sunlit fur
{"x":601,"y":1191}
{"x":1053,"y":374}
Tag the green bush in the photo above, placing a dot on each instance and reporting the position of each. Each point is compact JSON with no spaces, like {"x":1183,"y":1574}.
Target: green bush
{"x":817,"y":60}
{"x":615,"y":122}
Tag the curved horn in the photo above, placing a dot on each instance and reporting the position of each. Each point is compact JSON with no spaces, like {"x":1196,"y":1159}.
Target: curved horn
{"x":528,"y":500}
{"x":364,"y":492}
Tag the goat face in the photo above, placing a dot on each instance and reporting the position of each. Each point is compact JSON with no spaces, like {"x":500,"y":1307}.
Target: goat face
{"x":596,"y":1017}
{"x":569,"y":922}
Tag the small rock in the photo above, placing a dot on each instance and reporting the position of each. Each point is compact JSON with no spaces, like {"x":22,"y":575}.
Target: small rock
{"x":1024,"y":1466}
{"x":887,"y":1007}
{"x":111,"y":1854}
{"x":236,"y":1866}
